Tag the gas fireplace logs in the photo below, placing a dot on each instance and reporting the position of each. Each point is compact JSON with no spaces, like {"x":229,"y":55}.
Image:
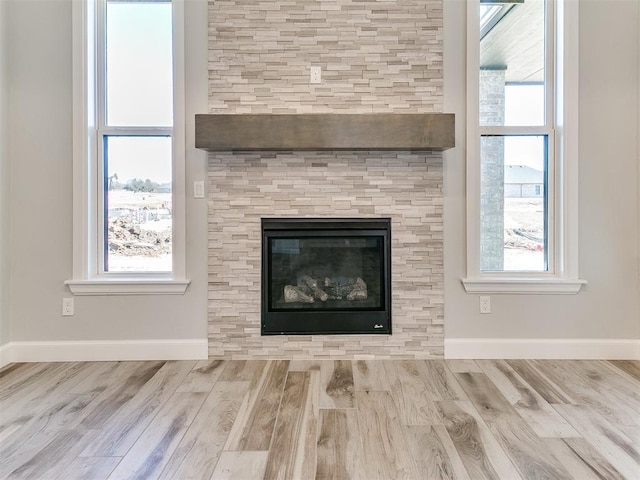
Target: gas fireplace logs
{"x":308,"y":290}
{"x":311,"y":284}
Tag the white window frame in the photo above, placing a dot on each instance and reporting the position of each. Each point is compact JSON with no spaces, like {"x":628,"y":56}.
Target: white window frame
{"x":87,"y":280}
{"x":562,"y":130}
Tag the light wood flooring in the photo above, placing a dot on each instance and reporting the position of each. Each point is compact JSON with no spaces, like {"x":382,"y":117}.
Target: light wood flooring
{"x":401,"y":419}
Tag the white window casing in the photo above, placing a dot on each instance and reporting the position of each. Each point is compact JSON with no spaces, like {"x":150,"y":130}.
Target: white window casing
{"x":561,"y":128}
{"x":87,"y":279}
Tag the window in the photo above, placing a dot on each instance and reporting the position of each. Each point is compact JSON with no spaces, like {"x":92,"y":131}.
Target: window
{"x":521,"y":149}
{"x":129,"y":147}
{"x":135,"y":123}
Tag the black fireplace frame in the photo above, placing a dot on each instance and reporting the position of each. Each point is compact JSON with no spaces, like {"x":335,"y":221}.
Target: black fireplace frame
{"x":316,"y":322}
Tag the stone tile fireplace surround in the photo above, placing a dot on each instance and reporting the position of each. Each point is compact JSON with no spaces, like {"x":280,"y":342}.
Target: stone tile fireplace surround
{"x":376,"y":57}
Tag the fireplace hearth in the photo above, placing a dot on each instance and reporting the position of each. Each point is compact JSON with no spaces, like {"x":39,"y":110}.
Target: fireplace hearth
{"x":326,"y":276}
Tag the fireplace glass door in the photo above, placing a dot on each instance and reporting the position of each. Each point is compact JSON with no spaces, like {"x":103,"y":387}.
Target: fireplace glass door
{"x":326,"y":276}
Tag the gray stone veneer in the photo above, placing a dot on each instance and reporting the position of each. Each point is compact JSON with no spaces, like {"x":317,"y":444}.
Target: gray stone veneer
{"x":376,"y":57}
{"x":492,"y":112}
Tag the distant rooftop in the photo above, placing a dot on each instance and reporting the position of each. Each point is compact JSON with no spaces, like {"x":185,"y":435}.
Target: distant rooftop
{"x":522,"y":174}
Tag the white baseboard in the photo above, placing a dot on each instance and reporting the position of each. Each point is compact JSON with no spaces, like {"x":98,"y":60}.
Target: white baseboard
{"x":5,"y":355}
{"x":519,"y":348}
{"x":190,"y":349}
{"x":196,"y":349}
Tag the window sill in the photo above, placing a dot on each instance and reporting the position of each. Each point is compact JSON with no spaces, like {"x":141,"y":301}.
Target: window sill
{"x":533,"y":286}
{"x":128,"y":286}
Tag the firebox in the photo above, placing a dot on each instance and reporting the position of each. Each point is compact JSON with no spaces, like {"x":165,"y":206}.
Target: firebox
{"x":326,"y":276}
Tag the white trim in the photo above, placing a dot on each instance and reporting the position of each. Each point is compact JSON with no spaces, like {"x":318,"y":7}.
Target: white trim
{"x":6,"y":356}
{"x":83,"y":79}
{"x":567,"y":135}
{"x":638,"y":165}
{"x":536,"y":348}
{"x":178,"y":187}
{"x":92,"y":351}
{"x":120,"y":286}
{"x":515,"y":131}
{"x":473,"y":141}
{"x":549,"y":285}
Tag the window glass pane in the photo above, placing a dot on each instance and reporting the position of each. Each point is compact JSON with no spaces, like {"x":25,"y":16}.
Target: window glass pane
{"x":139,"y":61}
{"x":524,"y":104}
{"x":137,"y":204}
{"x":513,"y":204}
{"x":326,"y":273}
{"x":512,"y":70}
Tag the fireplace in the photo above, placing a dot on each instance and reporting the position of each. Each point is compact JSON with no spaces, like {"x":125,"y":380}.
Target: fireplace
{"x":326,"y":276}
{"x":260,"y":173}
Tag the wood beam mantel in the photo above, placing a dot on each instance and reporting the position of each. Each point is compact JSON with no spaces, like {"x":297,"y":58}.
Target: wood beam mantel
{"x":385,"y":131}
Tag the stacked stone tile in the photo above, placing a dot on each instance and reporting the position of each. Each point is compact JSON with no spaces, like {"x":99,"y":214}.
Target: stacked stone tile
{"x":376,"y":57}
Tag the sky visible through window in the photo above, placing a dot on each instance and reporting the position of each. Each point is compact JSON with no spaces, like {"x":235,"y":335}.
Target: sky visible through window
{"x":524,"y":105}
{"x":139,"y":87}
{"x":137,"y":137}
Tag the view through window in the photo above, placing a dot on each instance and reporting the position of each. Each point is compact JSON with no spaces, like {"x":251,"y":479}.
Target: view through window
{"x":135,"y":134}
{"x":514,"y":138}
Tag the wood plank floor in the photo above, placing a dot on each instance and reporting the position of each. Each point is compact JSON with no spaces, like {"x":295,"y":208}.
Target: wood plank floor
{"x":370,"y":420}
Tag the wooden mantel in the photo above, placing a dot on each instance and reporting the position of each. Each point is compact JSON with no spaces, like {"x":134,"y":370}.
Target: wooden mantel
{"x":384,"y":131}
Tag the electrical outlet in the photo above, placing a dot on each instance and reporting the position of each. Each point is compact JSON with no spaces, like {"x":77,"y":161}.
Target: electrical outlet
{"x":67,"y":307}
{"x":485,"y":304}
{"x":315,"y":75}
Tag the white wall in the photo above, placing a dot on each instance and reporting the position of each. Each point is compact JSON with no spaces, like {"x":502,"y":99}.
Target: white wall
{"x":607,"y":308}
{"x":4,"y":176}
{"x":41,"y":161}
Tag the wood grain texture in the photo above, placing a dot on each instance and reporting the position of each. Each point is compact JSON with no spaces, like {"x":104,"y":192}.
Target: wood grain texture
{"x":440,"y":381}
{"x":249,"y":370}
{"x":257,"y":417}
{"x":240,"y":466}
{"x":549,"y":390}
{"x":478,"y":449}
{"x":203,"y":376}
{"x":590,"y":383}
{"x":385,"y":446}
{"x":457,"y":465}
{"x":213,"y":420}
{"x":370,"y":375}
{"x":339,"y":451}
{"x":55,"y":455}
{"x":133,"y":418}
{"x":120,"y":393}
{"x":411,"y":393}
{"x":89,"y":468}
{"x":630,"y":367}
{"x":463,"y":366}
{"x":619,"y":450}
{"x":529,"y":404}
{"x":527,"y":451}
{"x":337,"y":388}
{"x":431,"y":131}
{"x":582,"y":460}
{"x":13,"y":370}
{"x":151,"y":453}
{"x":287,"y":452}
{"x":43,"y":396}
{"x":18,"y":384}
{"x":202,"y":445}
{"x":433,"y":461}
